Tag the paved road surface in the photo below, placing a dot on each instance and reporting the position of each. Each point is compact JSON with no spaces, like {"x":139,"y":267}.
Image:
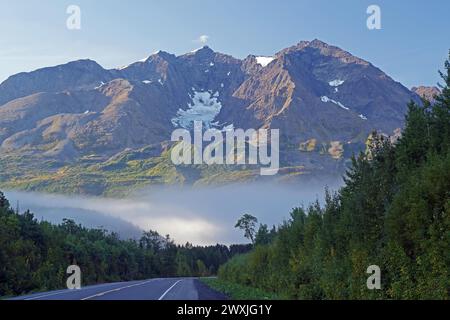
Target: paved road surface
{"x":155,"y":289}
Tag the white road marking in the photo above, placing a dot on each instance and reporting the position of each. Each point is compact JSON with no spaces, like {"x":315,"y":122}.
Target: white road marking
{"x":105,"y":292}
{"x":168,"y":290}
{"x":47,"y":295}
{"x":115,"y":290}
{"x":66,"y":291}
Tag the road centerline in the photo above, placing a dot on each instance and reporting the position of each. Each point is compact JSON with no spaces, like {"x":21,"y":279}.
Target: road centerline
{"x":168,"y":290}
{"x":101,"y":294}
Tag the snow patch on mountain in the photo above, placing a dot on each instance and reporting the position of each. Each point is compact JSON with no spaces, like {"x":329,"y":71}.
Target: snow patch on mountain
{"x":123,"y":67}
{"x":325,"y":99}
{"x":100,"y":86}
{"x":336,"y":83}
{"x":264,"y":61}
{"x":205,"y":106}
{"x":229,"y":127}
{"x":144,"y":60}
{"x":129,"y":65}
{"x":363,"y":117}
{"x":147,"y":81}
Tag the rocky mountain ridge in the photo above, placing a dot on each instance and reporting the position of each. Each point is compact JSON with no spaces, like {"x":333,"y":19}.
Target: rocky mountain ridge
{"x":324,"y":101}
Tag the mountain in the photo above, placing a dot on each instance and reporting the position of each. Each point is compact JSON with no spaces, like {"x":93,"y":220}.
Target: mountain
{"x":429,"y":93}
{"x":81,"y":128}
{"x":74,"y":75}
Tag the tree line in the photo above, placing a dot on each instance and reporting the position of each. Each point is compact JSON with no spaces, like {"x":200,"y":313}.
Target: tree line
{"x":34,"y":255}
{"x":393,"y":212}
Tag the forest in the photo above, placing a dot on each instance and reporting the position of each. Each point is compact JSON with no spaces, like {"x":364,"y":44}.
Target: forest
{"x":34,"y":255}
{"x":392,"y":212}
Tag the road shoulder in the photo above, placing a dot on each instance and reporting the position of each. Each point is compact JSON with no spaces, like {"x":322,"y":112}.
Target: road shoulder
{"x":207,"y":293}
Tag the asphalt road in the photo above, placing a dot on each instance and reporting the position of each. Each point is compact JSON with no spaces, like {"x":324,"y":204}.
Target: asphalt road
{"x":154,"y":289}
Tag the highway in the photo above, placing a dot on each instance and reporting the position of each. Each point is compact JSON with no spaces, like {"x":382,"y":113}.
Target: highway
{"x":154,"y":289}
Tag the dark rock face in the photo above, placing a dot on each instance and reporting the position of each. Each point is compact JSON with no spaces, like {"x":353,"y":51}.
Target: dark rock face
{"x":324,"y":100}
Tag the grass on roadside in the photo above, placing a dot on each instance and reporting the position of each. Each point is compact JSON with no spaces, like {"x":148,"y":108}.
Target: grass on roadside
{"x":237,"y":291}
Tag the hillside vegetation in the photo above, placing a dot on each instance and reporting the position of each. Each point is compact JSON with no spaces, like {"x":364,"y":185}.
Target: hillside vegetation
{"x":393,"y":212}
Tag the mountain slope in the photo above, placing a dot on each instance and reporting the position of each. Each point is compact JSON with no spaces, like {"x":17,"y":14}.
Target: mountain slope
{"x":71,"y":76}
{"x":55,"y":122}
{"x":429,"y":93}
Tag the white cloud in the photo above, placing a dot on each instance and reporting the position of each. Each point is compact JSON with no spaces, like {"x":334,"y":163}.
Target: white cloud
{"x":203,"y":39}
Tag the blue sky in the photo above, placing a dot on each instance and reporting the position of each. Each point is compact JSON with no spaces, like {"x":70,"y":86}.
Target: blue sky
{"x":411,"y":47}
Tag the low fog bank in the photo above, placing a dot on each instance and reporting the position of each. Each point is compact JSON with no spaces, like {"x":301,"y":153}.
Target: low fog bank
{"x":201,"y":216}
